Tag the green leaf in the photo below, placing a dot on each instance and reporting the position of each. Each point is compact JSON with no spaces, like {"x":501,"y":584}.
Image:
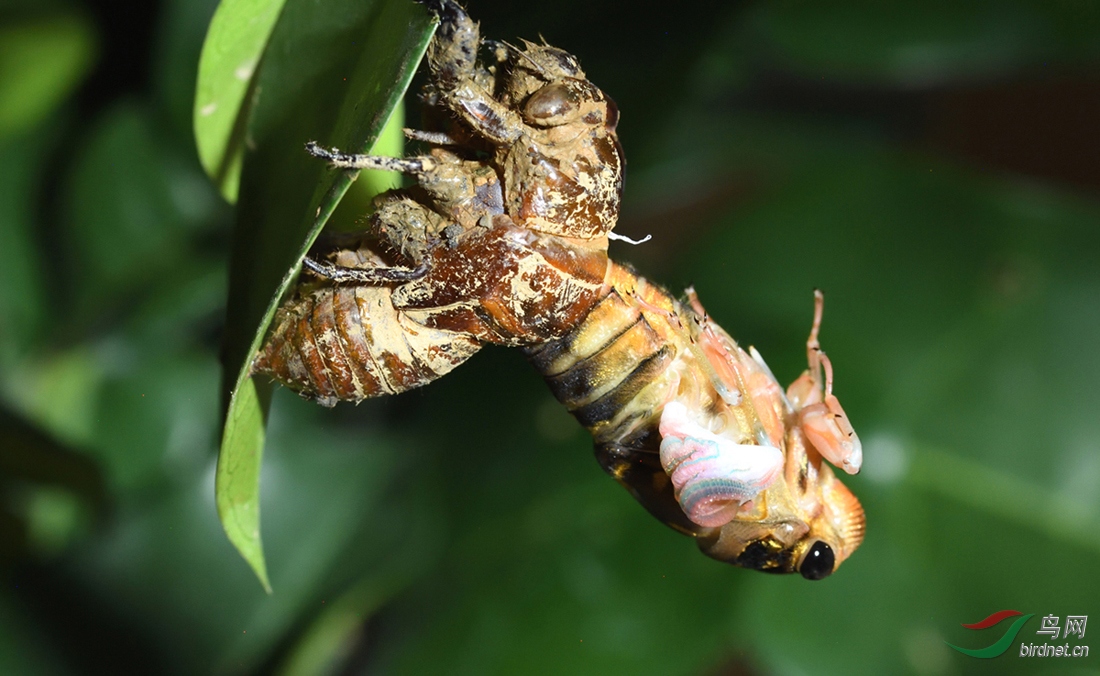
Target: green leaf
{"x":237,"y":484}
{"x":334,"y":73}
{"x":234,"y":43}
{"x":41,"y":61}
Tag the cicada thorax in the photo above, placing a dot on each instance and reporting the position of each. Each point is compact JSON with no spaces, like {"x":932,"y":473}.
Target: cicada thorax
{"x":507,"y":285}
{"x":550,"y":132}
{"x":564,"y":175}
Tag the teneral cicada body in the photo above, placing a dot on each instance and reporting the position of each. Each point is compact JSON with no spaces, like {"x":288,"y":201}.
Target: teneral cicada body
{"x":503,"y":240}
{"x":701,"y":433}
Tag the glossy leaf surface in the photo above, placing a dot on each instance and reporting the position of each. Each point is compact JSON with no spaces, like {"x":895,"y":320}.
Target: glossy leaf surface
{"x":234,"y":45}
{"x":334,"y":74}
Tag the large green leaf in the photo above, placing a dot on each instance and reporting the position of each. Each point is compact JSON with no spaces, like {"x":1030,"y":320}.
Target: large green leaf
{"x":234,"y":43}
{"x":333,"y":72}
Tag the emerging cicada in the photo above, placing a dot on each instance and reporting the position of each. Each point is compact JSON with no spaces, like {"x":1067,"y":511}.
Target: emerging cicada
{"x":504,"y":240}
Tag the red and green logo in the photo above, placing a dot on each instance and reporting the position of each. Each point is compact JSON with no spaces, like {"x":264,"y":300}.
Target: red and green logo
{"x":1003,"y":642}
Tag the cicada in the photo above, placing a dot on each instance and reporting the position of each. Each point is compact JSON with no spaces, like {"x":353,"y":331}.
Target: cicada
{"x":503,"y":240}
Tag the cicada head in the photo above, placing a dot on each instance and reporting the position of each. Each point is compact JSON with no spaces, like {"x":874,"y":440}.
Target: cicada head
{"x":535,"y":66}
{"x":548,"y":87}
{"x":806,"y":521}
{"x":801,"y":518}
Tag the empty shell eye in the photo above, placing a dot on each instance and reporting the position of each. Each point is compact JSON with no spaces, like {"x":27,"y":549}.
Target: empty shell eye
{"x":552,"y":105}
{"x":819,"y":562}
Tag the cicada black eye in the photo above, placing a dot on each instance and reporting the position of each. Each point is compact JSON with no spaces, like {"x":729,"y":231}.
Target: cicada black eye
{"x":819,"y":562}
{"x":552,"y":105}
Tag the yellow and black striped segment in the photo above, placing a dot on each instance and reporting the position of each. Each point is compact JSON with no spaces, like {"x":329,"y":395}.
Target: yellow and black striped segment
{"x":613,"y":372}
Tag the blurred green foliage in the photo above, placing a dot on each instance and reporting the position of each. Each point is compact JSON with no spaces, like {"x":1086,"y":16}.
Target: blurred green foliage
{"x":773,"y":147}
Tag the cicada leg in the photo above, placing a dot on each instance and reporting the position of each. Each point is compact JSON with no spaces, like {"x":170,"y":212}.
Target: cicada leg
{"x":807,"y":389}
{"x":827,"y":427}
{"x":415,"y":166}
{"x":407,"y":226}
{"x":453,"y":51}
{"x":461,"y":191}
{"x":435,"y":138}
{"x":463,"y":85}
{"x":820,"y":414}
{"x":366,"y":276}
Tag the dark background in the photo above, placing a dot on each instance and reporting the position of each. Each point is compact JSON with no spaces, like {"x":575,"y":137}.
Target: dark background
{"x":933,"y":166}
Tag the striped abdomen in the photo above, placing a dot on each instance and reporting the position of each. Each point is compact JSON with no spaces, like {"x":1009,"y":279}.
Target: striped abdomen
{"x":604,"y":364}
{"x":609,"y":371}
{"x":341,"y":343}
{"x":614,"y":372}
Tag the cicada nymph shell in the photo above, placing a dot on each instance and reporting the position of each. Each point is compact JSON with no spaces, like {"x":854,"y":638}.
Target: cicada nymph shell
{"x":509,"y":250}
{"x":503,"y":240}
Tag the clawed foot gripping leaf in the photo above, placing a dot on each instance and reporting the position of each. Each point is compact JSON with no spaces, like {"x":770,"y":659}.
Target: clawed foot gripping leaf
{"x":275,"y":74}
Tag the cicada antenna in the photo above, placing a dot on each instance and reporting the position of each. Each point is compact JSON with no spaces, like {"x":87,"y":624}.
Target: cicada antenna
{"x":527,"y":57}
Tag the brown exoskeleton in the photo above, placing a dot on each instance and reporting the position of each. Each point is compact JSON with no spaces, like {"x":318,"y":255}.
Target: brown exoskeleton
{"x":512,"y":251}
{"x":504,"y":240}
